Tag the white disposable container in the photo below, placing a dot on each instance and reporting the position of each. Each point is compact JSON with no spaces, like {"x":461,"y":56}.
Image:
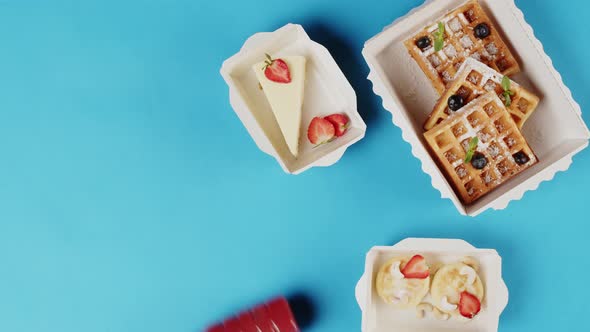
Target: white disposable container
{"x":326,"y":92}
{"x":556,"y":131}
{"x":380,"y":317}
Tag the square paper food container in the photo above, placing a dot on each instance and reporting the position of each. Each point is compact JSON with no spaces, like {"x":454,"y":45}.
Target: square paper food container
{"x":556,"y":131}
{"x":380,"y":317}
{"x":326,"y":92}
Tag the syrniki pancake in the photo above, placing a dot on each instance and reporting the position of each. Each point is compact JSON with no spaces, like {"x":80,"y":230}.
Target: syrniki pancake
{"x":403,"y":281}
{"x":457,"y":289}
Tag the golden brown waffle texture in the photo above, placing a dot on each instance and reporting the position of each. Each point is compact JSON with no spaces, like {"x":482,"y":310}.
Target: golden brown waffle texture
{"x":473,"y":80}
{"x":460,"y":43}
{"x":500,"y":141}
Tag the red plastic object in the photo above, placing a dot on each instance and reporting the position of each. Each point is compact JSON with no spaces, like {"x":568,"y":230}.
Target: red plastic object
{"x":281,"y":315}
{"x":216,"y":328}
{"x":262,"y":319}
{"x":273,"y":316}
{"x":232,"y":325}
{"x":247,"y":322}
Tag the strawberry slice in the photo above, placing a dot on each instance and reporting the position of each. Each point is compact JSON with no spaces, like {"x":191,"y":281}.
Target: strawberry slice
{"x":469,"y":305}
{"x":277,"y":70}
{"x":320,"y":131}
{"x":340,"y":121}
{"x":416,"y":268}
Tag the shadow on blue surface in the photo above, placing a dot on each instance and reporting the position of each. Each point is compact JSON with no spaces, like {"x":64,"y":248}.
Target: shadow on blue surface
{"x":352,"y":65}
{"x":304,"y":309}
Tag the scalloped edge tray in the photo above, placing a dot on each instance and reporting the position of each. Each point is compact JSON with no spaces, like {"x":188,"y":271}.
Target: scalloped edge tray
{"x":327,"y":91}
{"x":398,"y":80}
{"x":444,"y":251}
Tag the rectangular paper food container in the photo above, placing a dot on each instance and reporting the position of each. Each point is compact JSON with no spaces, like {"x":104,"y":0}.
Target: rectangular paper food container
{"x":380,"y":317}
{"x":556,"y":131}
{"x":326,"y":92}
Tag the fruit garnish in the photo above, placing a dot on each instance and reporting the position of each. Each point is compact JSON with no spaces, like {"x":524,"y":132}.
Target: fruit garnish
{"x":521,"y":158}
{"x":472,"y":146}
{"x":469,"y":305}
{"x":276,"y":70}
{"x":416,"y":268}
{"x":479,"y":161}
{"x":320,"y":131}
{"x":439,"y":37}
{"x":481,"y":31}
{"x":507,"y":94}
{"x":423,"y":42}
{"x":341,"y":123}
{"x":455,"y":102}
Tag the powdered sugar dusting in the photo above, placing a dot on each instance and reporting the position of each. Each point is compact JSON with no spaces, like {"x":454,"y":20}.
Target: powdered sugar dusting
{"x":435,"y":60}
{"x":450,"y":51}
{"x":447,"y":77}
{"x":492,"y":48}
{"x":455,"y":24}
{"x":466,"y":42}
{"x":494,"y":151}
{"x":490,"y":86}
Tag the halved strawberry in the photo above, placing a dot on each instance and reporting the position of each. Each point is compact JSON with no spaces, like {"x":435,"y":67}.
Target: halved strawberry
{"x":416,"y":268}
{"x":469,"y":305}
{"x":340,"y":122}
{"x":277,"y":70}
{"x":320,"y":131}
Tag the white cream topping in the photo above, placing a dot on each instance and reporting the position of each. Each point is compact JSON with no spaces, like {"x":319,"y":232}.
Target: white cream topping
{"x":422,"y":309}
{"x":470,"y":273}
{"x":441,"y":315}
{"x":401,"y":296}
{"x":395,"y":272}
{"x":446,"y":306}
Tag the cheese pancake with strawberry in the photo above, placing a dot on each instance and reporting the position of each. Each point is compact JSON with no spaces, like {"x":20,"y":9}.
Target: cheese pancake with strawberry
{"x":458,"y":290}
{"x":403,"y":281}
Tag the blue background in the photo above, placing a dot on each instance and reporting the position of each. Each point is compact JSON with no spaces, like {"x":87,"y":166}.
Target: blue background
{"x":133,"y":199}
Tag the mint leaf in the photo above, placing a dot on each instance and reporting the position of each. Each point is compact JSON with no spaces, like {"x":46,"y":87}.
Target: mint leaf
{"x":439,"y":41}
{"x":472,"y":146}
{"x":506,"y":83}
{"x":507,"y":98}
{"x":438,"y":45}
{"x":507,"y":93}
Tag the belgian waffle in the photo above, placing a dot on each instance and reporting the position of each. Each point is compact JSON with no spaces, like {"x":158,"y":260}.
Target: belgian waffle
{"x":473,"y":80}
{"x":500,"y":141}
{"x":460,"y":43}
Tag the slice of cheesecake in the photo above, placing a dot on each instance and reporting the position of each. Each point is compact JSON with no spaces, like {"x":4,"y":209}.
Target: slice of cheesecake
{"x":282,"y":81}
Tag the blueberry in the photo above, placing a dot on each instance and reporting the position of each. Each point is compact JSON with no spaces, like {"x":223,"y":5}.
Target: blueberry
{"x":479,"y":161}
{"x":521,"y":158}
{"x":423,"y":42}
{"x":482,"y":30}
{"x":455,"y":102}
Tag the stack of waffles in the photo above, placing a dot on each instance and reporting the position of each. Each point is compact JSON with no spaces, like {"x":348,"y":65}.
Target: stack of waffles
{"x":474,"y":130}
